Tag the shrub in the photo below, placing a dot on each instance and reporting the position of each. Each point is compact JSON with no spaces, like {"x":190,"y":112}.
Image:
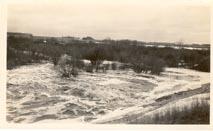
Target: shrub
{"x":89,"y":68}
{"x":74,"y":72}
{"x":147,"y":64}
{"x":17,"y":58}
{"x":107,"y":66}
{"x":102,"y":67}
{"x":138,"y":68}
{"x":96,"y":56}
{"x":55,"y":60}
{"x":78,"y":64}
{"x":66,"y":66}
{"x":125,"y":66}
{"x":158,"y":66}
{"x":114,"y":66}
{"x":171,"y":60}
{"x":203,"y":65}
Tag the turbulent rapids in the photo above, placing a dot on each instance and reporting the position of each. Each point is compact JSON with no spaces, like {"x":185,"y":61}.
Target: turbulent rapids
{"x":37,"y":93}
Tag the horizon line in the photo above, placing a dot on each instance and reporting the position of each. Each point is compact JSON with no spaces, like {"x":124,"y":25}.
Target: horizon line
{"x":168,"y":42}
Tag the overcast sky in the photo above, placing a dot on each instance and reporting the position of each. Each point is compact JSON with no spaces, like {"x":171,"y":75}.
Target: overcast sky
{"x":117,"y":20}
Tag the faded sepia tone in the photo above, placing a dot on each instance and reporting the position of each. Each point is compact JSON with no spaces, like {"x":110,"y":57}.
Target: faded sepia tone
{"x":108,"y":63}
{"x":117,"y":20}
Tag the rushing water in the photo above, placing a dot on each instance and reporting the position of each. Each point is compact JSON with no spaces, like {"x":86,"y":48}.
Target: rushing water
{"x":37,"y":92}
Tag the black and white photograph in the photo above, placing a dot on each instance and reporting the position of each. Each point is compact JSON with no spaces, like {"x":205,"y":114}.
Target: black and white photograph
{"x":105,"y":62}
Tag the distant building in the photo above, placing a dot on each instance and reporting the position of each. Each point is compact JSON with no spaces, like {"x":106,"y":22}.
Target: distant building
{"x":19,"y":35}
{"x":88,"y":39}
{"x":68,"y":39}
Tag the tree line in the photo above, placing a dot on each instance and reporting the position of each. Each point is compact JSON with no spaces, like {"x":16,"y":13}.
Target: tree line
{"x":21,"y":51}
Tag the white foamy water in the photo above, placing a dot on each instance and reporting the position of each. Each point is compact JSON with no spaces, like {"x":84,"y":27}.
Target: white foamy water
{"x":37,"y":93}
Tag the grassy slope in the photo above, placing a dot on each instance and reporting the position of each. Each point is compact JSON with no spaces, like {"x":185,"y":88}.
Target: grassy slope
{"x":194,"y":113}
{"x":198,"y":113}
